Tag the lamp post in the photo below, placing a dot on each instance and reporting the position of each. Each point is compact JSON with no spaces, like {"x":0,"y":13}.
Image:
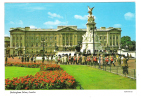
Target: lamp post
{"x":93,"y":40}
{"x":43,"y":40}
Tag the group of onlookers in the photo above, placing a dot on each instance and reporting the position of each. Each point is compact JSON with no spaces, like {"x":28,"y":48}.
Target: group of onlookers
{"x":81,"y":59}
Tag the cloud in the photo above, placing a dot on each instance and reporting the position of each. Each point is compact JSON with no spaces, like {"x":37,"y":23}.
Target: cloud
{"x":17,"y":22}
{"x":56,"y":22}
{"x":85,"y":17}
{"x":32,"y":27}
{"x":21,"y":22}
{"x":52,"y":15}
{"x":117,"y":25}
{"x":11,"y":22}
{"x":129,"y":16}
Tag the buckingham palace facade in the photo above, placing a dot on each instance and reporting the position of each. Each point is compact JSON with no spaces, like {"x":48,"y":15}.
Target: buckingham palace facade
{"x":29,"y":41}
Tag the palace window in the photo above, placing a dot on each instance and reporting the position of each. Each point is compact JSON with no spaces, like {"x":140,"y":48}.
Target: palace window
{"x":46,"y":38}
{"x":55,"y":38}
{"x":117,"y":43}
{"x":63,"y":38}
{"x":117,"y":37}
{"x":21,"y":38}
{"x":67,"y":43}
{"x":55,"y":44}
{"x":50,"y":37}
{"x":17,"y":45}
{"x":13,"y":44}
{"x":46,"y":44}
{"x":36,"y":44}
{"x":21,"y":44}
{"x":32,"y":45}
{"x":110,"y":37}
{"x":110,"y":43}
{"x":100,"y":37}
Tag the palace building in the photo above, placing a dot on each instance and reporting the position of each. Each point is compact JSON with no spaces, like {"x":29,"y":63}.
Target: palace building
{"x":29,"y":41}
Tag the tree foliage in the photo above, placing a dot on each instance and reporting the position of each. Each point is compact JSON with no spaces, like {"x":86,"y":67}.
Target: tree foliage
{"x":127,"y":43}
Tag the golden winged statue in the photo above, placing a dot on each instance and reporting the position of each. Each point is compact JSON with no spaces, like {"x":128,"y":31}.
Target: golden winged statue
{"x":90,"y":10}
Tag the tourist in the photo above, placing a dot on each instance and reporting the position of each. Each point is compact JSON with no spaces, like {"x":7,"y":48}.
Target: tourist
{"x":101,"y":61}
{"x":94,"y":60}
{"x":119,"y":60}
{"x":62,"y":58}
{"x":78,"y":57}
{"x":69,"y":59}
{"x":112,"y":60}
{"x":91,"y":60}
{"x":83,"y":59}
{"x":106,"y":60}
{"x":22,"y":59}
{"x":59,"y":59}
{"x":80,"y":60}
{"x":34,"y":59}
{"x":125,"y":65}
{"x":27,"y":58}
{"x":31,"y":58}
{"x":6,"y":59}
{"x":56,"y":59}
{"x":65,"y":59}
{"x":74,"y":59}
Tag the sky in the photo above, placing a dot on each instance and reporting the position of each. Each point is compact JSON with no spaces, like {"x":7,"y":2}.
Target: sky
{"x":50,"y":15}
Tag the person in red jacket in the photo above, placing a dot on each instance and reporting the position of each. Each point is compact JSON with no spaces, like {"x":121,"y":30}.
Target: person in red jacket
{"x":94,"y":60}
{"x":112,"y":60}
{"x":106,"y":60}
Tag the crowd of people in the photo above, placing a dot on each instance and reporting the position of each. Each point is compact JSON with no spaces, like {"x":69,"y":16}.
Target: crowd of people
{"x":79,"y":59}
{"x":88,"y":59}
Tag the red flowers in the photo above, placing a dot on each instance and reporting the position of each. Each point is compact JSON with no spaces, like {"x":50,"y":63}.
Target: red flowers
{"x":51,"y":76}
{"x":45,"y":67}
{"x":19,"y":64}
{"x":58,"y":79}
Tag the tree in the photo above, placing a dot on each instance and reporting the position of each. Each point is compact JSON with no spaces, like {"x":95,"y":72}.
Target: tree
{"x":126,"y":40}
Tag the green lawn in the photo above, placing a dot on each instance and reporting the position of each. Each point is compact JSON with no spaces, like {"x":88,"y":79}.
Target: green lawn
{"x":11,"y":72}
{"x":88,"y":77}
{"x":92,"y":78}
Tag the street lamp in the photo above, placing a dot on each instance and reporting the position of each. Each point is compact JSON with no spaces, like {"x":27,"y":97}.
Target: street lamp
{"x":43,"y":40}
{"x":93,"y":39}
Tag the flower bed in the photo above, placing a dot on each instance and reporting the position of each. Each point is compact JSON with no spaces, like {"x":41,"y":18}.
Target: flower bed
{"x":45,"y":67}
{"x":58,"y":79}
{"x":29,"y":65}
